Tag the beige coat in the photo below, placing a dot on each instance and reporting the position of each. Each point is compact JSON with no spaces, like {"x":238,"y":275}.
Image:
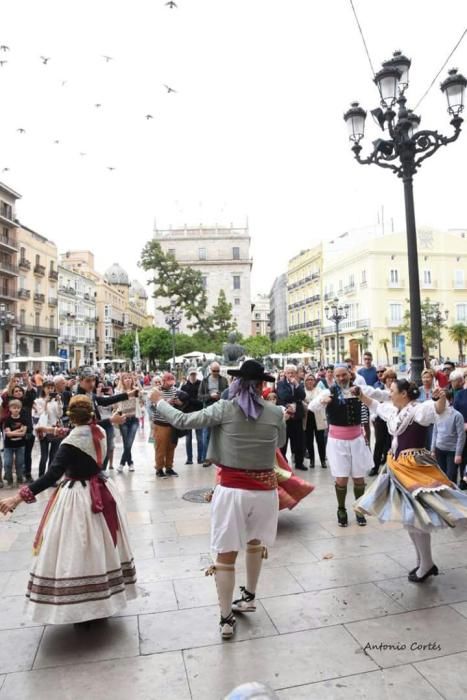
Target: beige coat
{"x":312,"y":404}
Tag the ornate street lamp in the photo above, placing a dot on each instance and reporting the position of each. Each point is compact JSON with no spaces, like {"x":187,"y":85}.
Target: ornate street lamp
{"x":173,"y":320}
{"x":336,"y":313}
{"x":6,"y":320}
{"x":403,"y":151}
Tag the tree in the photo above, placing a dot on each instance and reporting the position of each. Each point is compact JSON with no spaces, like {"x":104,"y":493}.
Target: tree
{"x":431,"y":327}
{"x":125,"y":344}
{"x":384,"y":342}
{"x":180,"y":285}
{"x":458,"y":333}
{"x":299,"y":342}
{"x":220,"y":319}
{"x":257,"y":346}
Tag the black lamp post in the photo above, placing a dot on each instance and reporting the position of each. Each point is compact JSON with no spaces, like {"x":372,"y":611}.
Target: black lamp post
{"x":403,"y":152}
{"x":6,"y":319}
{"x":336,"y":313}
{"x":440,"y":320}
{"x":173,"y":320}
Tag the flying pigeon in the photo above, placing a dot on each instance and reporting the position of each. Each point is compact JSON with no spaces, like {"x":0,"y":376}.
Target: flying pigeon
{"x":45,"y":59}
{"x":64,"y":82}
{"x":149,"y":116}
{"x":171,"y":4}
{"x":56,"y":141}
{"x":2,"y":63}
{"x":169,"y":89}
{"x":4,"y":47}
{"x":97,"y":105}
{"x":107,"y":59}
{"x":109,"y":167}
{"x":82,"y":154}
{"x":21,"y":131}
{"x":5,"y":170}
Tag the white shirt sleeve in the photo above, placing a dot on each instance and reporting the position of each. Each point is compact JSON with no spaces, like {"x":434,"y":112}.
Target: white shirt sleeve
{"x":425,"y":413}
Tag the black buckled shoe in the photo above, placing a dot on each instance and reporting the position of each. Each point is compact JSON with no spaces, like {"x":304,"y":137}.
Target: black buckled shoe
{"x":419,"y":579}
{"x":342,"y":518}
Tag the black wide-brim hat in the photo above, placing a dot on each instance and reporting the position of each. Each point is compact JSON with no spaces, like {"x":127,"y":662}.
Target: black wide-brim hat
{"x":253,"y":370}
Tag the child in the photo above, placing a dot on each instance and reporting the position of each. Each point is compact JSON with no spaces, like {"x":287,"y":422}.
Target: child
{"x":15,"y":429}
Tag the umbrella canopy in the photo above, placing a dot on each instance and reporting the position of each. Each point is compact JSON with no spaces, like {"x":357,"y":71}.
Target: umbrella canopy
{"x":20,"y":359}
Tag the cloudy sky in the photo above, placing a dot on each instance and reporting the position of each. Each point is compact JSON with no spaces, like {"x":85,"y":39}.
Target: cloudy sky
{"x":255,"y":128}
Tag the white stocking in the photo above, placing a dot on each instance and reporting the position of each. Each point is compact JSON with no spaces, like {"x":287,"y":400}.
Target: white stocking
{"x":423,"y":544}
{"x":225,"y":583}
{"x":253,"y":562}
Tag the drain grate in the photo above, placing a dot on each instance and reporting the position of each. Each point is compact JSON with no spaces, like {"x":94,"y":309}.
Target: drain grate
{"x":196,"y":496}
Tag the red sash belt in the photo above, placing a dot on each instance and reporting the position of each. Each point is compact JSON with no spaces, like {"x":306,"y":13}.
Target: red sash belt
{"x":250,"y":480}
{"x":103,"y":502}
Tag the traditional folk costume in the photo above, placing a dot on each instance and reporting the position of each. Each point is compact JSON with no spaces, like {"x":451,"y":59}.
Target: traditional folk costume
{"x":246,"y":431}
{"x":411,"y":488}
{"x":83,"y":567}
{"x":346,"y":450}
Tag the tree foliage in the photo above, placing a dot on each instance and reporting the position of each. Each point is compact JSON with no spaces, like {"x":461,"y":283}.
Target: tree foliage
{"x":458,"y":334}
{"x":431,"y":327}
{"x":257,"y":346}
{"x":299,"y":342}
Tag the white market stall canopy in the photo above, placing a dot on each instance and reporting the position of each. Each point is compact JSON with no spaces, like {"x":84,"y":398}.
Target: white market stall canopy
{"x":46,"y":358}
{"x":111,"y":362}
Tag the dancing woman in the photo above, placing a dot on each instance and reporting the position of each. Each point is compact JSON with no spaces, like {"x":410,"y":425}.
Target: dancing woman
{"x":83,"y":567}
{"x":411,"y":488}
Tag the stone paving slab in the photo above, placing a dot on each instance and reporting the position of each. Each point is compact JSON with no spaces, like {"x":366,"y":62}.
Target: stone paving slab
{"x":403,"y":683}
{"x":448,"y":675}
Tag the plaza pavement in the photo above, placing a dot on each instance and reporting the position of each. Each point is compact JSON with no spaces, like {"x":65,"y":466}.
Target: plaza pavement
{"x":325,"y":594}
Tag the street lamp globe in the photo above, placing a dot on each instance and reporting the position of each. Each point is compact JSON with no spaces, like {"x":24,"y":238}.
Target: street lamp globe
{"x":454,"y":88}
{"x":414,"y":120}
{"x":355,"y":120}
{"x":387,"y":80}
{"x":402,"y":64}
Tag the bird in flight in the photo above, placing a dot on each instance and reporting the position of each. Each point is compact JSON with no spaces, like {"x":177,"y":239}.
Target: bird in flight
{"x":45,"y":59}
{"x":98,"y":105}
{"x":82,"y":154}
{"x":149,"y":116}
{"x":4,"y":47}
{"x":2,"y":63}
{"x":21,"y":131}
{"x":5,"y":170}
{"x":56,"y":141}
{"x":169,"y":89}
{"x":64,"y":82}
{"x":171,"y":4}
{"x":109,"y":167}
{"x":107,"y":59}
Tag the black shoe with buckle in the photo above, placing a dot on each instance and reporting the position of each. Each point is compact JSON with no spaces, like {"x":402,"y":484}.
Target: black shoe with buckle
{"x":413,"y":578}
{"x":342,"y":518}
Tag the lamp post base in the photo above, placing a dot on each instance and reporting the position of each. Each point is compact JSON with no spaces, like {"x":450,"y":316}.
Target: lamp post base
{"x":416,"y":369}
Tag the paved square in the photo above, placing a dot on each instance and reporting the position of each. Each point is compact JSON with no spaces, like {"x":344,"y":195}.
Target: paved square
{"x":326,"y":593}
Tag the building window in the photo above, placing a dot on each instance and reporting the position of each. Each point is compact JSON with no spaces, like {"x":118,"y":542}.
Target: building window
{"x":459,"y":279}
{"x":398,"y":340}
{"x":258,"y":316}
{"x":236,"y":281}
{"x":363,"y":276}
{"x":22,"y":252}
{"x":395,"y":313}
{"x":461,"y":312}
{"x":204,"y":281}
{"x":38,"y":259}
{"x":237,"y":301}
{"x":52,"y":347}
{"x":171,"y":252}
{"x":427,"y":277}
{"x":36,"y":345}
{"x":236,"y":253}
{"x":258,"y":325}
{"x":22,"y":317}
{"x":202,"y":253}
{"x":37,"y":319}
{"x":394,"y":276}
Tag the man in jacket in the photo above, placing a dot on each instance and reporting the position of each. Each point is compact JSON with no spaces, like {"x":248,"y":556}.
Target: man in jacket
{"x":246,"y":431}
{"x":291,"y":394}
{"x":191,"y":388}
{"x":210,"y":391}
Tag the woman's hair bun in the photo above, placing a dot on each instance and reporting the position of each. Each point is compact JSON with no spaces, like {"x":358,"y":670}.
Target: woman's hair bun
{"x":80,"y":409}
{"x":413,"y":391}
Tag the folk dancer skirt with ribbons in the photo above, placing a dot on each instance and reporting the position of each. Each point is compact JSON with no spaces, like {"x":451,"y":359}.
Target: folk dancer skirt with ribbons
{"x":414,"y":491}
{"x":291,"y":488}
{"x":83,"y":567}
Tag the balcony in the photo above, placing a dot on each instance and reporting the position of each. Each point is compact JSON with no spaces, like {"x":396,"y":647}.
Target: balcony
{"x":39,"y":298}
{"x":6,"y":215}
{"x":8,"y":268}
{"x":38,"y":330}
{"x":52,"y":301}
{"x":39,"y":270}
{"x":53,"y":274}
{"x":8,"y":293}
{"x":364,"y":323}
{"x":67,"y":339}
{"x":67,"y":290}
{"x":8,"y":241}
{"x":349,"y":289}
{"x":458,"y":284}
{"x":429,"y":285}
{"x":24,"y":293}
{"x":24,"y":264}
{"x":396,"y":284}
{"x":394,"y":323}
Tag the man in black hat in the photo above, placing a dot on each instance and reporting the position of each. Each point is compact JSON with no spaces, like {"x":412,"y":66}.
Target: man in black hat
{"x":245,"y":432}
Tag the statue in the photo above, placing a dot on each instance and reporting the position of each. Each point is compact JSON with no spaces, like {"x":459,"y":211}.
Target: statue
{"x":233,"y":351}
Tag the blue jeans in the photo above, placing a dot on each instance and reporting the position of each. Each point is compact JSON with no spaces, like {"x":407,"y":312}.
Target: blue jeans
{"x":16,"y":453}
{"x":206,"y":435}
{"x":199,"y":445}
{"x":446,"y":462}
{"x":128,"y":430}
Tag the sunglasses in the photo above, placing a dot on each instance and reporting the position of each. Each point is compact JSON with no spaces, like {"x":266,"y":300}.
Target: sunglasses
{"x":382,"y":372}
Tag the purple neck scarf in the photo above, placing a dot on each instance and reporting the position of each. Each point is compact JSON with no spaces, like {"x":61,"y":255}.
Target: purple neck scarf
{"x":244,"y":394}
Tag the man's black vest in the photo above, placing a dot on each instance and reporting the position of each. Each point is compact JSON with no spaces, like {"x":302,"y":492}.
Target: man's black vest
{"x":343,"y":411}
